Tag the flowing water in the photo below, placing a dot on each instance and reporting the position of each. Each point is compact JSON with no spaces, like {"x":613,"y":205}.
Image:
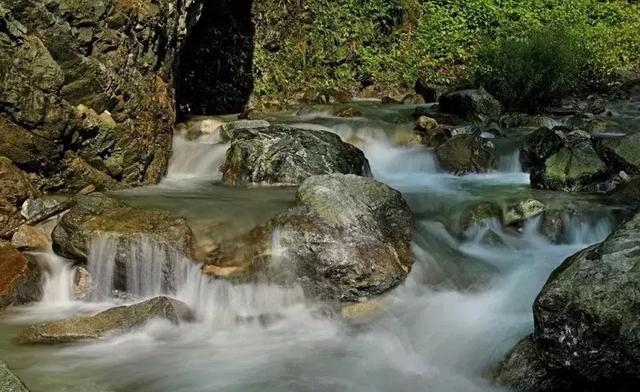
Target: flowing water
{"x":465,"y":303}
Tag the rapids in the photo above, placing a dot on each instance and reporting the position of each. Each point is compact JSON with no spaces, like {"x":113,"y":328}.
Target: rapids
{"x":463,"y":306}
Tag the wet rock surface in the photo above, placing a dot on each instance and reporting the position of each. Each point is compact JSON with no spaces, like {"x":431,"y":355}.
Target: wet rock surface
{"x":9,"y":382}
{"x":110,"y":323}
{"x":586,"y":329}
{"x":20,"y":277}
{"x":347,"y":238}
{"x":98,"y":214}
{"x":467,"y":153}
{"x":287,"y":156}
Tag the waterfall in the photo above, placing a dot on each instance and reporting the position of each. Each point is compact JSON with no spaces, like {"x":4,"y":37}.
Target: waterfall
{"x":196,"y":159}
{"x":142,"y":268}
{"x":58,"y":279}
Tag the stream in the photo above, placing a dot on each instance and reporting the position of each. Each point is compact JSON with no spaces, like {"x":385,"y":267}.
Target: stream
{"x":463,"y":306}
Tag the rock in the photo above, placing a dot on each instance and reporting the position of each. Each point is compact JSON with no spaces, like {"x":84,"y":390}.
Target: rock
{"x":553,"y":225}
{"x":94,"y":80}
{"x":521,"y":120}
{"x":99,"y":214}
{"x":20,"y":277}
{"x":405,"y":138}
{"x":467,"y":153}
{"x":473,"y":105}
{"x":622,"y":153}
{"x":348,"y":238}
{"x":82,"y":283}
{"x":522,"y":211}
{"x":30,"y":238}
{"x":413,"y":99}
{"x":575,"y":168}
{"x":107,"y":324}
{"x":628,"y":193}
{"x":9,"y":382}
{"x":361,"y":311}
{"x":347,"y":112}
{"x":15,"y":187}
{"x":432,"y":134}
{"x":9,"y":216}
{"x":429,"y":91}
{"x":477,"y":213}
{"x":78,"y":175}
{"x":227,"y":130}
{"x":585,"y":316}
{"x":525,"y":370}
{"x":390,"y":101}
{"x":31,"y":208}
{"x":284,"y":155}
{"x":537,"y":146}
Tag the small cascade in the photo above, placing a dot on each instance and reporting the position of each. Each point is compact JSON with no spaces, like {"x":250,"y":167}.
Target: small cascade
{"x":196,"y":159}
{"x":59,"y":276}
{"x":142,"y":268}
{"x":581,"y":231}
{"x":510,"y":163}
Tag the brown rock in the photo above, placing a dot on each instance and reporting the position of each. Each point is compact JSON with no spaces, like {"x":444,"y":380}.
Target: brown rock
{"x":20,"y":278}
{"x":30,"y":238}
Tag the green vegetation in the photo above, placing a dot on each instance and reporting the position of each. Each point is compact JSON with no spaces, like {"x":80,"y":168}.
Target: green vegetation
{"x":525,"y":73}
{"x":331,"y":43}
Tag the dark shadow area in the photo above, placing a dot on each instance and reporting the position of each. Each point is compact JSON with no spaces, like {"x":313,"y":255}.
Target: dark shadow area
{"x":214,"y":73}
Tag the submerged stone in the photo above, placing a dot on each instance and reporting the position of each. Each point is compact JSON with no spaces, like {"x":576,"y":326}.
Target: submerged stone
{"x":9,"y":382}
{"x":107,"y":324}
{"x":287,"y":156}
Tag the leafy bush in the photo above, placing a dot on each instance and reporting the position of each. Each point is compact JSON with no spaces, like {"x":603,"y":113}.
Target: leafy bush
{"x":529,"y":72}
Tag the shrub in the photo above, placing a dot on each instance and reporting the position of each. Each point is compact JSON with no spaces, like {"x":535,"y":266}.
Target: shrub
{"x":529,"y":72}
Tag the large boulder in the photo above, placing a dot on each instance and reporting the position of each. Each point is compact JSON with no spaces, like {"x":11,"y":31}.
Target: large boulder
{"x":20,"y":277}
{"x":576,"y":167}
{"x":347,"y":238}
{"x":525,"y":370}
{"x":537,"y":146}
{"x":586,"y":315}
{"x":9,"y":382}
{"x":98,"y":214}
{"x":109,"y":323}
{"x":623,"y":153}
{"x":285,"y":155}
{"x":586,"y":333}
{"x":93,"y":78}
{"x":467,"y":153}
{"x":473,"y":105}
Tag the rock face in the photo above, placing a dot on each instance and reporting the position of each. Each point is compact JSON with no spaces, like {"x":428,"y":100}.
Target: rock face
{"x":574,"y":161}
{"x":586,"y":324}
{"x":467,"y":153}
{"x":284,"y":155}
{"x":15,"y":188}
{"x":94,"y":79}
{"x":98,"y":214}
{"x":20,"y":278}
{"x":348,"y":238}
{"x":9,"y":382}
{"x":473,"y":105}
{"x":107,"y":324}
